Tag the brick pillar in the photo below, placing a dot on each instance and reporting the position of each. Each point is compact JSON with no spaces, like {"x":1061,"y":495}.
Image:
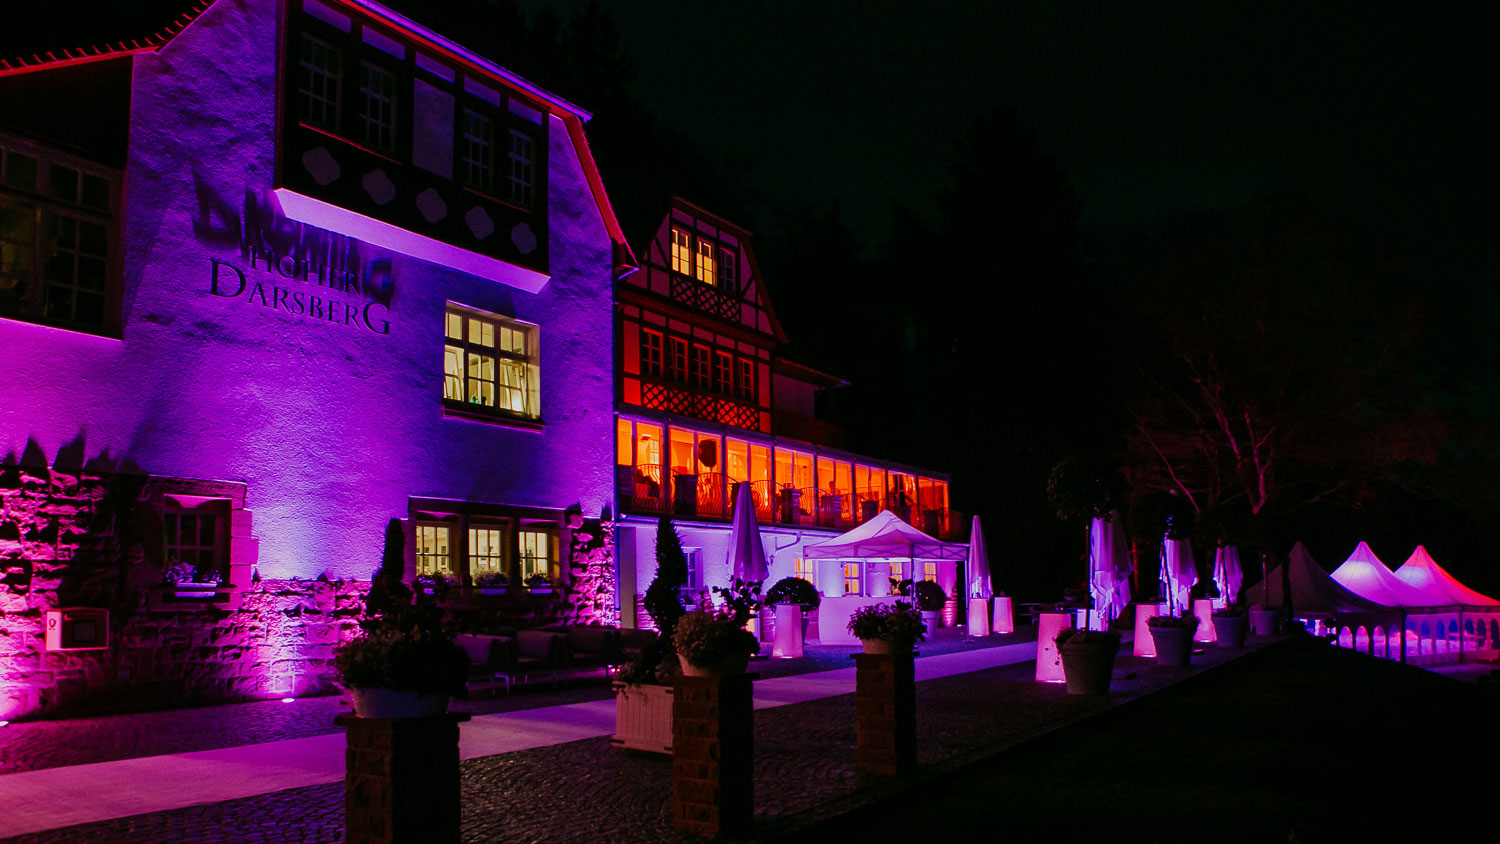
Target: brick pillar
{"x":401,"y":779}
{"x":885,"y":714}
{"x":712,"y":738}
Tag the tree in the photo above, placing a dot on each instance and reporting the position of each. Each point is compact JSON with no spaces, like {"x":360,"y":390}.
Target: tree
{"x":663,"y":597}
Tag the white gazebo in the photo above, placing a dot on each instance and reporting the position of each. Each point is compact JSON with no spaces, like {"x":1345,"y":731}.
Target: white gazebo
{"x":874,"y":545}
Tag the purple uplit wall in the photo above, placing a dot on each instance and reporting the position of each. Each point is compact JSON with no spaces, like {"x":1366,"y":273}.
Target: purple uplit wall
{"x":323,"y":399}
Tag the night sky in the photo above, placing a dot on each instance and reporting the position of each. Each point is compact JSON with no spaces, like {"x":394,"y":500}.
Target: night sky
{"x":1375,"y":111}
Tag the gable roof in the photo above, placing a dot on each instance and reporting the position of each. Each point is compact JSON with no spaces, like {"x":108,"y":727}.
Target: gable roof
{"x":573,"y":117}
{"x":116,"y":44}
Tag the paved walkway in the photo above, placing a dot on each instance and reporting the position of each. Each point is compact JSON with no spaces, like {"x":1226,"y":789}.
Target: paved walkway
{"x":57,"y":797}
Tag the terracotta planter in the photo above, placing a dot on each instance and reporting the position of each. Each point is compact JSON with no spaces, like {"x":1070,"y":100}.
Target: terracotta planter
{"x":1174,"y":645}
{"x":1088,"y":666}
{"x":390,"y":703}
{"x":643,"y":717}
{"x":885,"y":646}
{"x":1265,"y":621}
{"x":722,"y":667}
{"x":1231,"y":630}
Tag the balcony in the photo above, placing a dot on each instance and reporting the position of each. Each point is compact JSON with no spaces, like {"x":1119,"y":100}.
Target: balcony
{"x":709,"y":497}
{"x":658,"y":395}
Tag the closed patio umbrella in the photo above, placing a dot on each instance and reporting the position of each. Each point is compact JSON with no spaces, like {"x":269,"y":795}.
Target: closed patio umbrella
{"x":1228,"y":575}
{"x":979,"y":564}
{"x":747,"y":556}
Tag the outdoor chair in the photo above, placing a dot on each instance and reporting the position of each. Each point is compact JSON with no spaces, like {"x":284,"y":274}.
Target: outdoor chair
{"x":532,"y":654}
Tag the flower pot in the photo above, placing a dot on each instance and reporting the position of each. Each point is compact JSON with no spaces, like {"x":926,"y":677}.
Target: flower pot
{"x":931,"y":619}
{"x":885,"y":646}
{"x":1265,"y":621}
{"x":722,"y":667}
{"x":1174,"y":645}
{"x":643,"y":717}
{"x":1230,"y":630}
{"x":194,"y":589}
{"x":492,"y":590}
{"x":1088,"y":666}
{"x":390,"y":703}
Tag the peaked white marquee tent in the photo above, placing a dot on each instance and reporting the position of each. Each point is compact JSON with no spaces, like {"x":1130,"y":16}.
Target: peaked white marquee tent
{"x":1422,"y":573}
{"x":1365,"y":575}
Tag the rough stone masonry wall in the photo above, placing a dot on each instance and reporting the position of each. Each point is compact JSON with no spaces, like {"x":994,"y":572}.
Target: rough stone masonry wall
{"x":69,"y":541}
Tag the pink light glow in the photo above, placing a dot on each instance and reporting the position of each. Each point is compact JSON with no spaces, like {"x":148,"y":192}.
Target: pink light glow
{"x":314,"y":212}
{"x":1049,"y":667}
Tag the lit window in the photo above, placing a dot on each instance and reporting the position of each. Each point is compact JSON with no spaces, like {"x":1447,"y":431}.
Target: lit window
{"x":479,"y":151}
{"x":434,"y":549}
{"x":522,"y":168}
{"x":682,"y":252}
{"x":677,"y":358}
{"x":56,"y":228}
{"x":929,"y":572}
{"x":852,"y":579}
{"x":803,"y":568}
{"x":723,"y":372}
{"x":536,"y":554}
{"x":707,"y":271}
{"x":486,"y":550}
{"x":318,"y":83}
{"x":195,"y":538}
{"x":377,"y":118}
{"x":702,"y":377}
{"x":491,"y":364}
{"x":651,"y":353}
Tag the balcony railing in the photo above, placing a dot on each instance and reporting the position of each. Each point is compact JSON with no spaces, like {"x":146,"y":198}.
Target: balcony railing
{"x":710,"y":496}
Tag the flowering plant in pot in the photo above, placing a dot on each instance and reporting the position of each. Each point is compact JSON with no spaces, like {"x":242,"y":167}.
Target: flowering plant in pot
{"x":1173,"y":636}
{"x":404,"y":662}
{"x":1088,"y":658}
{"x":1230,"y":625}
{"x":710,"y":643}
{"x":539,"y":582}
{"x":191,"y":582}
{"x":491,"y":582}
{"x":885,"y":628}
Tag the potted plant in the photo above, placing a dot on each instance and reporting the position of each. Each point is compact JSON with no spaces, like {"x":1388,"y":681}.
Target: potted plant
{"x":643,"y":691}
{"x":404,"y":662}
{"x":1173,"y":636}
{"x":539,"y":584}
{"x":1088,"y":658}
{"x":1265,"y":620}
{"x":930,"y":600}
{"x":188,"y":581}
{"x":491,"y":582}
{"x":431,"y":584}
{"x":1230,"y":625}
{"x":710,"y":643}
{"x":886,"y":628}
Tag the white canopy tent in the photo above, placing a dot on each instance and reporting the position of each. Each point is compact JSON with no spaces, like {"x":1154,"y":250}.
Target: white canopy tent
{"x":883,"y":539}
{"x":1365,"y":575}
{"x":1423,"y":573}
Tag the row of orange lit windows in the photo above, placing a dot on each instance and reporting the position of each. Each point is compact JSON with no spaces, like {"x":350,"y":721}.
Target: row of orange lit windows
{"x":698,"y":257}
{"x":683,"y":451}
{"x":711,"y":369}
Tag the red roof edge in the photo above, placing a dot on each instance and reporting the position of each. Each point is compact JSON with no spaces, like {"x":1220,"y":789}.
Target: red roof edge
{"x":83,"y":55}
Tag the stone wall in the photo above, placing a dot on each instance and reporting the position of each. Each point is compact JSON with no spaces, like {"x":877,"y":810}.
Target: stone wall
{"x":78,"y":540}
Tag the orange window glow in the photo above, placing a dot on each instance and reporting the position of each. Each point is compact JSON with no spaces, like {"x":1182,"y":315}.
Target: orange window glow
{"x":647,"y":445}
{"x":622,"y":442}
{"x":681,"y":457}
{"x":682,"y":252}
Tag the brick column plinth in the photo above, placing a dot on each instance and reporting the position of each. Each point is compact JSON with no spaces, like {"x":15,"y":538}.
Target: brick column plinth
{"x":401,"y":779}
{"x":712,"y":743}
{"x":885,"y":714}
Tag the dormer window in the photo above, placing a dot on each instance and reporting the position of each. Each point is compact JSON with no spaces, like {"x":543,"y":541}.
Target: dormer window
{"x":728,"y":270}
{"x":682,"y":252}
{"x":318,"y":80}
{"x":377,"y":119}
{"x":707,"y":266}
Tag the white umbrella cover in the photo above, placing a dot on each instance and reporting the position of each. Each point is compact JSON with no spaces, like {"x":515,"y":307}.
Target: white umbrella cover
{"x":979,"y":564}
{"x":1227,"y":574}
{"x":747,"y":556}
{"x":1178,"y":572}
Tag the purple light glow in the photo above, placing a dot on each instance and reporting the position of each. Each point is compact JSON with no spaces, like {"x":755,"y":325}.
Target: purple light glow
{"x":314,"y":212}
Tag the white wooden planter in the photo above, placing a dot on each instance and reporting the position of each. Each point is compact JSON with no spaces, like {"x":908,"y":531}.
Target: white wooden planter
{"x":643,"y":718}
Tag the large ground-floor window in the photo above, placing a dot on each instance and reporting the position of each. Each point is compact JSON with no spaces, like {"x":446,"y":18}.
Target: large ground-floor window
{"x":463,"y":540}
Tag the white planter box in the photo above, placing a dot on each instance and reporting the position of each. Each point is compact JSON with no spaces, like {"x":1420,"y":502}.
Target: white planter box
{"x":643,"y":718}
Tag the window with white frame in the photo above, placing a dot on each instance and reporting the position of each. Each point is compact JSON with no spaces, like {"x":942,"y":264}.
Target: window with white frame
{"x":702,"y":372}
{"x":434,"y":548}
{"x":677,"y":359}
{"x":651,"y":352}
{"x":707,"y":265}
{"x":491,"y":364}
{"x":723,"y":372}
{"x":57,"y":232}
{"x":536,"y":553}
{"x":195,"y":538}
{"x":522,"y":168}
{"x":487,"y":549}
{"x":377,"y":118}
{"x":745,"y":370}
{"x":853,"y":580}
{"x":478,"y":151}
{"x":318,"y":80}
{"x":803,"y":568}
{"x":682,"y":251}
